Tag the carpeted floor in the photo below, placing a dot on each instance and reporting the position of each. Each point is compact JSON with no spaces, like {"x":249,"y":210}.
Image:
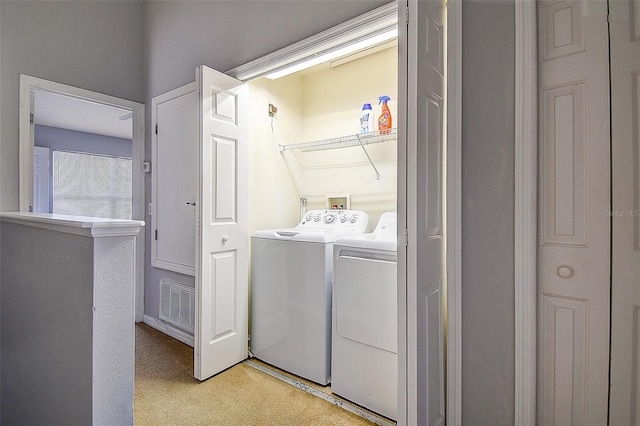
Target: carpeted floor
{"x":166,"y":392}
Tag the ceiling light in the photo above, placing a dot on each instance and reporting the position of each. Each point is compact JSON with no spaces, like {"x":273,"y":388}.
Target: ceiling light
{"x":334,"y":53}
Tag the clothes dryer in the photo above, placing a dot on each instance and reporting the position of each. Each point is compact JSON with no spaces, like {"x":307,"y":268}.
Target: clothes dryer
{"x":291,"y":279}
{"x":364,"y":338}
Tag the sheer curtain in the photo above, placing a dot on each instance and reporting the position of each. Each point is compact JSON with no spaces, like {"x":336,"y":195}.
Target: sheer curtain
{"x":91,"y":185}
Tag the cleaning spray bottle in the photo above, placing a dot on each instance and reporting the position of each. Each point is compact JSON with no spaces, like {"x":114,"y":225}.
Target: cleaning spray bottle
{"x":366,"y":119}
{"x":384,"y":121}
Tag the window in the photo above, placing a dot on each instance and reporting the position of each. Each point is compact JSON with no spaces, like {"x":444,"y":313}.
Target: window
{"x":91,"y":185}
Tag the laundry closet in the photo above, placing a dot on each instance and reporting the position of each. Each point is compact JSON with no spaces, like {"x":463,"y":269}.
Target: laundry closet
{"x":308,"y":154}
{"x":305,"y":152}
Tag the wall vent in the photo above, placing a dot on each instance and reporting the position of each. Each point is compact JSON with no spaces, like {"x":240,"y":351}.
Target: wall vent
{"x":177,"y":304}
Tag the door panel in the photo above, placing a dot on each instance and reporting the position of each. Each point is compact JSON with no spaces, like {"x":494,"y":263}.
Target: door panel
{"x":223,"y":242}
{"x":224,"y":158}
{"x":564,"y":203}
{"x":425,"y":250}
{"x":574,"y":192}
{"x":625,"y":120}
{"x":175,"y":180}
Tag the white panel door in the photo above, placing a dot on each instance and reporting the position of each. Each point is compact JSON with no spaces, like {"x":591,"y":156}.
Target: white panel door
{"x":625,"y":131}
{"x":175,"y":179}
{"x":223,"y":242}
{"x":573,"y":225}
{"x":41,"y":179}
{"x":425,"y":228}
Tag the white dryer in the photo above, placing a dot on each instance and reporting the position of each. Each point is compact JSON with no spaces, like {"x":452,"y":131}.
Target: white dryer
{"x":364,"y":339}
{"x":291,"y":277}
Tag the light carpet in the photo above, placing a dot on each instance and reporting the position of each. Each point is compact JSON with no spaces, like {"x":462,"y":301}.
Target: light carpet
{"x":166,"y":393}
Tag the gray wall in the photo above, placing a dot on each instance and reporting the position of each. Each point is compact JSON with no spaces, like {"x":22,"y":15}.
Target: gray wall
{"x":222,"y":35}
{"x":47,"y":318}
{"x":69,"y":140}
{"x":94,"y":45}
{"x":487,"y":212}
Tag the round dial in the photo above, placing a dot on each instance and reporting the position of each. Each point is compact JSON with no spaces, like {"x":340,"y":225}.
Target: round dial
{"x":317,"y":218}
{"x":329,"y":218}
{"x":308,"y":218}
{"x":354,"y":218}
{"x":343,"y":219}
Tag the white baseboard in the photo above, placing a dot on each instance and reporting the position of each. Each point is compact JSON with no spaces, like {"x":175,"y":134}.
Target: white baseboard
{"x":168,"y":329}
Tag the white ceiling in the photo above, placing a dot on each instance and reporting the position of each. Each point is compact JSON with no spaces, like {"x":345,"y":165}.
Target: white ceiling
{"x":66,"y":112}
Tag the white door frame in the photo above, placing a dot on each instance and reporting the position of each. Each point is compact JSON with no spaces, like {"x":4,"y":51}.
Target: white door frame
{"x":453,"y":227}
{"x":27,"y":85}
{"x":525,"y":220}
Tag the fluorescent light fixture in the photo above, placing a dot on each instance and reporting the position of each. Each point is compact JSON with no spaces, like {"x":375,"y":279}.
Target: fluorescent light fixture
{"x":331,"y":54}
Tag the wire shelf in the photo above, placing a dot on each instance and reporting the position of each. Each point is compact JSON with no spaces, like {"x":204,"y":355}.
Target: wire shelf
{"x":360,"y":139}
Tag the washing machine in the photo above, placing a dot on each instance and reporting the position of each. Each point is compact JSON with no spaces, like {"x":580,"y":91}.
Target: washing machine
{"x":364,"y":338}
{"x":291,"y":279}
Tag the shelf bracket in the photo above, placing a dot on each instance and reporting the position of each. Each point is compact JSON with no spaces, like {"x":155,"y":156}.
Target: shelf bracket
{"x":369,"y":158}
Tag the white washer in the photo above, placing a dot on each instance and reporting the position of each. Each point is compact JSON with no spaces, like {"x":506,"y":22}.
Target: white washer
{"x":365,"y":339}
{"x":291,"y":277}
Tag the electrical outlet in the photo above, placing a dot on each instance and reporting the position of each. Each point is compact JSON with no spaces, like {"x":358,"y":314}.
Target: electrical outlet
{"x":146,"y":167}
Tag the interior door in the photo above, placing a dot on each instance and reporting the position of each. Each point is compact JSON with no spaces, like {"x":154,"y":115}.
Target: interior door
{"x":221,"y":330}
{"x":625,"y":287}
{"x":425,"y":112}
{"x":573,"y":220}
{"x":41,"y":179}
{"x":175,"y":179}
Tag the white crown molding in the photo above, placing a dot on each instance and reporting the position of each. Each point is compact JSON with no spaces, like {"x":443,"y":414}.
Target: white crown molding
{"x":376,"y":21}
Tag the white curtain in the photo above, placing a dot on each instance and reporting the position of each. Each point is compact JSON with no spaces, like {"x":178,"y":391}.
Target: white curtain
{"x":91,"y":185}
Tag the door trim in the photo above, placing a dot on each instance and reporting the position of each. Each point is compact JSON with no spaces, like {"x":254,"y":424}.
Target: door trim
{"x":29,"y":83}
{"x":525,"y":220}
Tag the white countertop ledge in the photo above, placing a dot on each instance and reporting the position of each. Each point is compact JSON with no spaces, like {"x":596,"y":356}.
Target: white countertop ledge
{"x":79,"y":225}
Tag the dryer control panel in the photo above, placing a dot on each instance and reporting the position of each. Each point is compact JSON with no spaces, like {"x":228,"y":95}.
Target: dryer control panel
{"x":339,"y":220}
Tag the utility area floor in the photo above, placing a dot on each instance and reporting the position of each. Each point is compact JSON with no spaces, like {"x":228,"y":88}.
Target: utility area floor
{"x":166,"y":393}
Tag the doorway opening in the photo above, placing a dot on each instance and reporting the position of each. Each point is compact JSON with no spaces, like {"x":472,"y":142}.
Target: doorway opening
{"x":71,"y":120}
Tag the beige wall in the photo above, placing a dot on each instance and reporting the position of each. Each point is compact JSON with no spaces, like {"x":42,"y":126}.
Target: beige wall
{"x":327,"y":104}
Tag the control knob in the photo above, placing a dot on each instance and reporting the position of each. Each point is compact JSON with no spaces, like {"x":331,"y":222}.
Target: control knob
{"x":329,"y":218}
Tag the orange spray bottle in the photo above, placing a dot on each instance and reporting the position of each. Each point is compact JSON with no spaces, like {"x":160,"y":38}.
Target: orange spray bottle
{"x":384,"y":121}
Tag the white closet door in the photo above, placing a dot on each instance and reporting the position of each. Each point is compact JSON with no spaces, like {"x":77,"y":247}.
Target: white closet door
{"x":175,"y":179}
{"x":223,"y":241}
{"x":625,"y":120}
{"x":574,"y":192}
{"x":425,"y":108}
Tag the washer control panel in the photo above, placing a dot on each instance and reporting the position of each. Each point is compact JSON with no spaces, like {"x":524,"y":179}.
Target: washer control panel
{"x":339,"y":220}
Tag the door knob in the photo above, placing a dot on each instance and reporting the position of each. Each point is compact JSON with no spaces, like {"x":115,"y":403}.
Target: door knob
{"x":225,"y":239}
{"x":565,"y":271}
